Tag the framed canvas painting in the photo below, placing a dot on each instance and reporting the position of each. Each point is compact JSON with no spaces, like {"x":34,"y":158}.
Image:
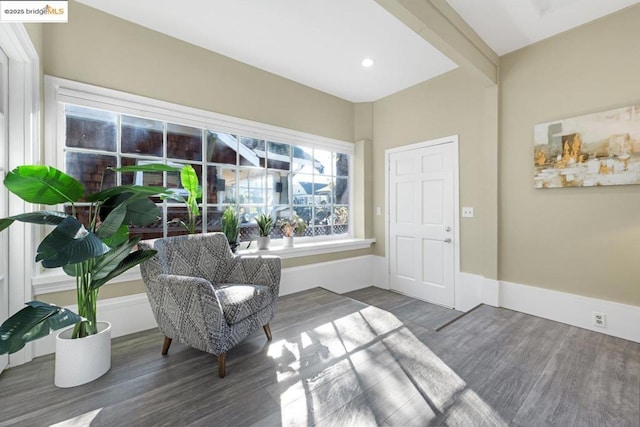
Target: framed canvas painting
{"x":591,"y":150}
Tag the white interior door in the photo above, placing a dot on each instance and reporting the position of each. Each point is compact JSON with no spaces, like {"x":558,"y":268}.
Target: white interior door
{"x":4,"y":211}
{"x":421,"y":222}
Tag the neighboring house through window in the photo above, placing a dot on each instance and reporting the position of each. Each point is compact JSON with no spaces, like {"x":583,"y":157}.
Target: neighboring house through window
{"x":249,"y":166}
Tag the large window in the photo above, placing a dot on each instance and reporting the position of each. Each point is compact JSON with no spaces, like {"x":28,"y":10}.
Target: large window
{"x":251,"y":167}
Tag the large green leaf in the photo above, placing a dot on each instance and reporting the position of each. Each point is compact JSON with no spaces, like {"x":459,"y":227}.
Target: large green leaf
{"x":70,"y":269}
{"x":36,"y":320}
{"x":40,"y":217}
{"x":113,"y":220}
{"x":69,"y":243}
{"x":141,"y":212}
{"x":189,"y":179}
{"x":128,"y":209}
{"x":108,"y":262}
{"x":5,"y":222}
{"x":112,"y":203}
{"x":43,"y":185}
{"x":118,"y":238}
{"x":130,"y":261}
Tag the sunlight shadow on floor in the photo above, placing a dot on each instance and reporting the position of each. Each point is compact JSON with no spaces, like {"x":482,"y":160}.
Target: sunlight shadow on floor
{"x":368,"y":368}
{"x":86,"y":419}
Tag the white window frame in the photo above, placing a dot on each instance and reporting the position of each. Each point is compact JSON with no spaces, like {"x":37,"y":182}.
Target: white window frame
{"x":23,"y":123}
{"x":59,"y":92}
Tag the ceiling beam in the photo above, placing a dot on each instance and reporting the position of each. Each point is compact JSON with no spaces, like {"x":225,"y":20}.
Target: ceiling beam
{"x":444,"y":29}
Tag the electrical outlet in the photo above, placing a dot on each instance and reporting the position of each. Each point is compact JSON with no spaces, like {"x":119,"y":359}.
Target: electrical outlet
{"x":599,"y":319}
{"x":467,"y":212}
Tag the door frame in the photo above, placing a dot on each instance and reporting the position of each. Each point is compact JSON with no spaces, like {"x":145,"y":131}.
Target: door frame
{"x":453,"y":139}
{"x":23,"y":124}
{"x":4,"y":196}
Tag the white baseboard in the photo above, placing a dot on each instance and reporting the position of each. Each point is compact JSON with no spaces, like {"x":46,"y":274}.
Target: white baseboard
{"x":380,"y":272}
{"x":339,"y":276}
{"x":490,"y":292}
{"x":469,"y":287}
{"x":132,"y":313}
{"x":621,"y":320}
{"x":575,"y":310}
{"x":127,"y":315}
{"x":468,"y":291}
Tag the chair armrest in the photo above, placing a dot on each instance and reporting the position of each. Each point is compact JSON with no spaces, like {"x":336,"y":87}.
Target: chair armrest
{"x":256,"y":270}
{"x":187,"y":309}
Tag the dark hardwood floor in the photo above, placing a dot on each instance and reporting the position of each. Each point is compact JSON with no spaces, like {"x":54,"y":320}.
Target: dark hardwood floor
{"x":370,"y":357}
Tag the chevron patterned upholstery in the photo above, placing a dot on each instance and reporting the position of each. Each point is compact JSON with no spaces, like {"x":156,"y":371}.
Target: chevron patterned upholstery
{"x":204,"y":296}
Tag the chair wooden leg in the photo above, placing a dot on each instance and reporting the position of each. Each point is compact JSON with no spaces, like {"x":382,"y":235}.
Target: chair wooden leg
{"x":165,"y":345}
{"x":222,"y":358}
{"x":267,"y":331}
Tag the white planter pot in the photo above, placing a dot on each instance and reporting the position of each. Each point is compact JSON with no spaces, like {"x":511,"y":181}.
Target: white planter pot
{"x":82,"y":360}
{"x":287,"y":242}
{"x":263,"y":242}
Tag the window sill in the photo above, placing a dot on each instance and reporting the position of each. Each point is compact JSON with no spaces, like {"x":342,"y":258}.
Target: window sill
{"x":50,"y":281}
{"x":309,"y":248}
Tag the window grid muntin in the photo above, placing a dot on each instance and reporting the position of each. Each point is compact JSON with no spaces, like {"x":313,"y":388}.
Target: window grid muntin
{"x":332,"y":153}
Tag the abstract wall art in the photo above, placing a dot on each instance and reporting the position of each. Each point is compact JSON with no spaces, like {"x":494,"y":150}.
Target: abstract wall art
{"x":591,"y":150}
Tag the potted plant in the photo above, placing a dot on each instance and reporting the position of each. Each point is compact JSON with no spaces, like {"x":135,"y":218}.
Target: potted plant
{"x":231,"y":228}
{"x":265,"y":225}
{"x":93,"y":252}
{"x":290,"y":227}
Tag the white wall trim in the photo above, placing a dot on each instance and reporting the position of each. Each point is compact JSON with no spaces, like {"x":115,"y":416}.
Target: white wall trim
{"x":133,"y":313}
{"x":55,"y":280}
{"x":380,"y":272}
{"x":490,"y":292}
{"x":58,"y":90}
{"x":468,"y":291}
{"x":24,"y":133}
{"x":339,"y":276}
{"x":308,"y":247}
{"x":576,"y":310}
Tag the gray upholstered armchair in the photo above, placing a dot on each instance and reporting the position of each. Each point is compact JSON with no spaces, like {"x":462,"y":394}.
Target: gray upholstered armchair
{"x":204,"y":296}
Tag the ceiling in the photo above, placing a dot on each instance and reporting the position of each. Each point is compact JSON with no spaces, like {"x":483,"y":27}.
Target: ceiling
{"x":321,"y":44}
{"x":507,"y":25}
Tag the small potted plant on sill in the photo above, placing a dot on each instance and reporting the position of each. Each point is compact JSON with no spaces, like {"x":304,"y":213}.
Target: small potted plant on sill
{"x":290,"y":227}
{"x":93,"y":252}
{"x":265,"y":226}
{"x":231,"y":228}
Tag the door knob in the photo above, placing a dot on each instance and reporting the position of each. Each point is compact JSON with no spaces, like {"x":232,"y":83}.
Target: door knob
{"x":447,"y":240}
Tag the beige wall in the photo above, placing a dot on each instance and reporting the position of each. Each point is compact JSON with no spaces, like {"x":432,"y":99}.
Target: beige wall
{"x":451,"y":104}
{"x":100,"y":49}
{"x":578,"y":240}
{"x":110,"y":291}
{"x":582,"y":241}
{"x":103,"y":50}
{"x":363,"y":170}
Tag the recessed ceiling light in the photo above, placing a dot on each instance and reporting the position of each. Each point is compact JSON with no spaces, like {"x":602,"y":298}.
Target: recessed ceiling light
{"x":367,"y":62}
